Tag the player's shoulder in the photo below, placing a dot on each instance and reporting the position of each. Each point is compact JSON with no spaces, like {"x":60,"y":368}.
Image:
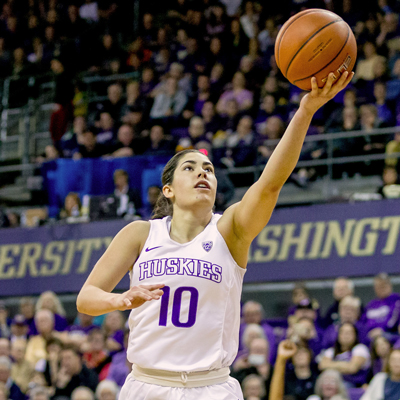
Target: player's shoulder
{"x":140,"y":229}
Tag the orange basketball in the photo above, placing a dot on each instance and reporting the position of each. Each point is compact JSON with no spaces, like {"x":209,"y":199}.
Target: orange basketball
{"x":314,"y":42}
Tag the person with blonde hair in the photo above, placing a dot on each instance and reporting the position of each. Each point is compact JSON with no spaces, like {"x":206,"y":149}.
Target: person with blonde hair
{"x":49,"y":301}
{"x":107,"y":390}
{"x":330,"y":386}
{"x":253,"y":386}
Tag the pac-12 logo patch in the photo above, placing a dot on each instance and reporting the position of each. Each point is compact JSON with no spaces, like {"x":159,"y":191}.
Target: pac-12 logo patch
{"x":207,"y":246}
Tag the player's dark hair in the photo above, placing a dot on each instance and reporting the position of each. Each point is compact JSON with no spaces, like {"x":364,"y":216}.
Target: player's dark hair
{"x":163,"y":207}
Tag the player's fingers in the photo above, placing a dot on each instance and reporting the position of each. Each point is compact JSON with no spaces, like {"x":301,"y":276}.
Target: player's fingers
{"x":150,"y":293}
{"x":349,"y":78}
{"x":152,"y":287}
{"x":127,"y":302}
{"x":329,"y":83}
{"x":342,"y":80}
{"x":314,"y":85}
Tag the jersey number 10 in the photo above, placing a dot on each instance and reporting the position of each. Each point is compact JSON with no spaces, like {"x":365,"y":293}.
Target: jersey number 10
{"x":176,"y":306}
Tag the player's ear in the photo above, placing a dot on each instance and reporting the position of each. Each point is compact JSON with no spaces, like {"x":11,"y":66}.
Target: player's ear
{"x":167,"y":191}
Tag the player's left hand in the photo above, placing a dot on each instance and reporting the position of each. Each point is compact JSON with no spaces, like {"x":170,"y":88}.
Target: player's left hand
{"x":312,"y":101}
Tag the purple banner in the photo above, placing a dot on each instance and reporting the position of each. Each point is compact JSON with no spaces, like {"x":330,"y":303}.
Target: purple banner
{"x":315,"y":242}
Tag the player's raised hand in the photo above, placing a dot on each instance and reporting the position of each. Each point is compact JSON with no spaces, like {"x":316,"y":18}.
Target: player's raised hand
{"x":319,"y":96}
{"x":286,"y":349}
{"x":138,"y":295}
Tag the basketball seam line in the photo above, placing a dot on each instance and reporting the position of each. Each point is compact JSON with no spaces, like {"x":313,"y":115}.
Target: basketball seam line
{"x":295,"y":19}
{"x":333,"y":59}
{"x":315,"y":33}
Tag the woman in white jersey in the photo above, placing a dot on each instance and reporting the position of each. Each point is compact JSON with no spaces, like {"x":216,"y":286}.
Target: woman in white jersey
{"x":187,"y":271}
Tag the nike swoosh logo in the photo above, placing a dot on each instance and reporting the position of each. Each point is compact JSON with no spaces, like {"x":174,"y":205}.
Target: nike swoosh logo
{"x":152,"y":248}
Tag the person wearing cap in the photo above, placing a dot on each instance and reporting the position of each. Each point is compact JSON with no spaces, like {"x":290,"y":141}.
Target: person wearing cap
{"x":19,"y":328}
{"x":382,"y":313}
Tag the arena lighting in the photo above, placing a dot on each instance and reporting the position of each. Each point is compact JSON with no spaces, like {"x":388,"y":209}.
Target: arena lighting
{"x":204,"y":151}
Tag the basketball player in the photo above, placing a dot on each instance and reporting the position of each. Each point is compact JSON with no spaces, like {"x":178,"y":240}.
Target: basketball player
{"x":187,"y":267}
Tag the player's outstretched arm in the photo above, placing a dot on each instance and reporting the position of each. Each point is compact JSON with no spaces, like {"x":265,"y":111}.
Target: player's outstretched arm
{"x":250,"y":215}
{"x":95,"y":297}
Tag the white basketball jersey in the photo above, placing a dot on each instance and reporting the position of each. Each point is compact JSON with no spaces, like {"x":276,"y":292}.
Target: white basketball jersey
{"x":195,"y":324}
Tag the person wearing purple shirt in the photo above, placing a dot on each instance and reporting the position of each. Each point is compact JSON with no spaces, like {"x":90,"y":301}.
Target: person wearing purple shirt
{"x":253,"y":313}
{"x":382,"y":314}
{"x":120,"y":367}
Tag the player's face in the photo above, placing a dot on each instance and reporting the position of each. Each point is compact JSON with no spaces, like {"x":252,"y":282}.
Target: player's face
{"x":194,"y":181}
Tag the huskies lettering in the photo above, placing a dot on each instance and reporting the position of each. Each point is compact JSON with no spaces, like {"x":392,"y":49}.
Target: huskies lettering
{"x":180,"y":266}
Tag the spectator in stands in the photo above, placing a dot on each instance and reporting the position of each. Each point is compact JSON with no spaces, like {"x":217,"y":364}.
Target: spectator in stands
{"x":19,"y":328}
{"x":169,"y":104}
{"x":348,"y":356}
{"x":241,"y":150}
{"x":15,"y":392}
{"x":330,"y":386}
{"x":88,"y":146}
{"x":106,"y":134}
{"x":250,"y":332}
{"x":27,"y":309}
{"x":128,"y":197}
{"x":107,"y":390}
{"x":113,"y":326}
{"x":120,"y":367}
{"x":301,"y":374}
{"x":303,"y":332}
{"x":128,"y":144}
{"x":50,"y":153}
{"x":385,"y":386}
{"x":271,"y":129}
{"x":50,"y":301}
{"x":39,"y":393}
{"x":96,"y":358}
{"x":384,"y":107}
{"x":70,"y":141}
{"x":211,"y":121}
{"x":134,"y":99}
{"x":299,"y":294}
{"x":393,"y":147}
{"x":5,"y":347}
{"x":197,"y":138}
{"x":152,"y":195}
{"x":349,"y":312}
{"x":148,"y":82}
{"x":72,"y":206}
{"x":253,"y":387}
{"x":73,"y":373}
{"x":342,"y":287}
{"x":49,"y":367}
{"x":160,"y":144}
{"x":365,"y":66}
{"x":243,"y":97}
{"x":21,"y":369}
{"x":36,"y":347}
{"x":4,"y":321}
{"x":62,"y":98}
{"x":82,"y":393}
{"x":114,"y":103}
{"x":253,"y":313}
{"x":380,"y":351}
{"x":257,"y":361}
{"x":382,"y":314}
{"x":391,"y":185}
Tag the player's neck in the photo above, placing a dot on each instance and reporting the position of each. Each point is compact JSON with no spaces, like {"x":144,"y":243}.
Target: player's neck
{"x":185,"y":226}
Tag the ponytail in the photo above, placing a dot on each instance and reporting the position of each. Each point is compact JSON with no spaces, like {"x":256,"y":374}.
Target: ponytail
{"x":163,"y":207}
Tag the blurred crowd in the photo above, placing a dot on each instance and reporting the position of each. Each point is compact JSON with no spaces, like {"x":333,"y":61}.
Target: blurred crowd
{"x":202,"y":75}
{"x":351,"y":350}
